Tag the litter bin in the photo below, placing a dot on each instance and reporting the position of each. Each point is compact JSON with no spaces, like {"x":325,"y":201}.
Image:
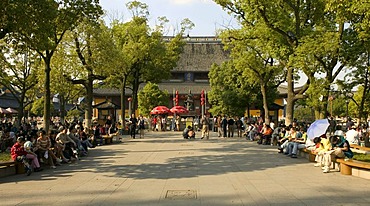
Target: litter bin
{"x":189,"y":122}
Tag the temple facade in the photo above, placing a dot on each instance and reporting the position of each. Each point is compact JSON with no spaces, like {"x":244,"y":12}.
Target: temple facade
{"x":189,"y":78}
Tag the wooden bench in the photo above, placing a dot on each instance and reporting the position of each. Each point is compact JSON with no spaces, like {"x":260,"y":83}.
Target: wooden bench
{"x":346,"y":165}
{"x":107,"y":139}
{"x":360,"y":149}
{"x":311,"y":155}
{"x":18,"y":166}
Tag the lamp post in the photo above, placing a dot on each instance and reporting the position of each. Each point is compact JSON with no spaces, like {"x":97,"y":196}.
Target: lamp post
{"x":129,"y":106}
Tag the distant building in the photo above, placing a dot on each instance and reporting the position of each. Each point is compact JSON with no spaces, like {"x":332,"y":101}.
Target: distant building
{"x":190,"y":75}
{"x":8,"y":100}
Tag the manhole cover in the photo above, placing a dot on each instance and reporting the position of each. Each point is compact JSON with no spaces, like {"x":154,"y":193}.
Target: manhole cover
{"x":181,"y":194}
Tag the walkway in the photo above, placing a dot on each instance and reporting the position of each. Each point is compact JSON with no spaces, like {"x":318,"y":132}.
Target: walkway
{"x":164,"y":169}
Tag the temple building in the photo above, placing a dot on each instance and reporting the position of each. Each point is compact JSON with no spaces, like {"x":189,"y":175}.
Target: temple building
{"x":189,"y":78}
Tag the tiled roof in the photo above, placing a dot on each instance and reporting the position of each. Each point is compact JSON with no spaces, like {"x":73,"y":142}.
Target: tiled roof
{"x":183,"y":88}
{"x":8,"y":100}
{"x":200,"y":56}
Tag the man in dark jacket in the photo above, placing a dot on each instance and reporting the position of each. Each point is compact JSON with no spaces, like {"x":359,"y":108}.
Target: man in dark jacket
{"x":224,"y":126}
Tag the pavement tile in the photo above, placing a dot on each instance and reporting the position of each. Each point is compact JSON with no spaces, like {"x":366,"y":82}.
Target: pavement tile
{"x":220,"y":171}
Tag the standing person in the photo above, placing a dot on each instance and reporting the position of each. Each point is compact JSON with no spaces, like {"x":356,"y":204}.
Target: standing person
{"x":159,"y":123}
{"x":230,"y":127}
{"x":97,"y":136}
{"x":141,"y":125}
{"x":215,"y":126}
{"x":332,"y":125}
{"x":108,"y":124}
{"x":164,"y":124}
{"x":239,"y":125}
{"x":133,"y":123}
{"x":154,"y":123}
{"x":196,"y":123}
{"x":177,"y":123}
{"x":219,"y":126}
{"x":205,"y":127}
{"x":224,"y":126}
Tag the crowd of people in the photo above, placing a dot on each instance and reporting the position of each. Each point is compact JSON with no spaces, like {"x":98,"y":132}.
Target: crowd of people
{"x":68,"y":141}
{"x":334,"y":143}
{"x":64,"y":143}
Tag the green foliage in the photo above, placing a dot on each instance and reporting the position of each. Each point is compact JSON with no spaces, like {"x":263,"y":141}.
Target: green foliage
{"x":304,"y":113}
{"x":229,"y":92}
{"x":144,"y":55}
{"x":74,"y":114}
{"x":151,"y":96}
{"x":361,"y":157}
{"x":5,"y":157}
{"x":37,"y":107}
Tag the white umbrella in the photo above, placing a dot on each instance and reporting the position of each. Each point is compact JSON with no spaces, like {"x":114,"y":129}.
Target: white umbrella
{"x":11,"y":110}
{"x":3,"y":111}
{"x":318,"y":128}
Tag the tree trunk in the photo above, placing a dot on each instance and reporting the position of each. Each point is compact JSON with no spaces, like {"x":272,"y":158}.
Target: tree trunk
{"x":47,"y":60}
{"x":62,"y":107}
{"x":89,"y":98}
{"x":135,"y":90}
{"x":123,"y":101}
{"x":265,"y":106}
{"x":20,"y":110}
{"x":364,"y":94}
{"x":290,"y":97}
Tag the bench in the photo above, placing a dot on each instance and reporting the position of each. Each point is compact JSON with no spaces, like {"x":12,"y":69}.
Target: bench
{"x":18,"y":167}
{"x":311,"y":155}
{"x":360,"y":149}
{"x":107,"y":139}
{"x":346,"y":165}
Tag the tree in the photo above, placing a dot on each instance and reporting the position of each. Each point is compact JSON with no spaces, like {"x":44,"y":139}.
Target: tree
{"x":19,"y":74}
{"x":94,"y":48}
{"x":145,"y":55}
{"x":65,"y":64}
{"x":151,"y":96}
{"x":291,"y":27}
{"x":255,"y":61}
{"x":42,"y":26}
{"x":37,"y":107}
{"x":230,"y":94}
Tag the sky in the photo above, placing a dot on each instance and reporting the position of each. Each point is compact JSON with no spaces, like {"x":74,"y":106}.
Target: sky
{"x":205,"y":14}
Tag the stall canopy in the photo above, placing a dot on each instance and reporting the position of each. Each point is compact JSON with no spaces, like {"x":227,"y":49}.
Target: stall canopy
{"x":11,"y":111}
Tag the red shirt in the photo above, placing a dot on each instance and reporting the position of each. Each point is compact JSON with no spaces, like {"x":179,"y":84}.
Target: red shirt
{"x":17,"y":150}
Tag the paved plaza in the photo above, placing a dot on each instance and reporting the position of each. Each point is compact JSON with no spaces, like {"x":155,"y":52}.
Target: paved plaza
{"x":164,"y":169}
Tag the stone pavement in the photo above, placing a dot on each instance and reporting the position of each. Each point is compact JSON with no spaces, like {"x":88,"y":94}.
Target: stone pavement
{"x":164,"y":169}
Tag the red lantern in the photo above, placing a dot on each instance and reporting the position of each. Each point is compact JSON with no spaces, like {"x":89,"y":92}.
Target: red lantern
{"x":177,"y":98}
{"x":202,"y":99}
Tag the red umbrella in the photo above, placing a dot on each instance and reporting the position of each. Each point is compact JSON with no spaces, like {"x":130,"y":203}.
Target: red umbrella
{"x":160,"y":110}
{"x":179,"y":110}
